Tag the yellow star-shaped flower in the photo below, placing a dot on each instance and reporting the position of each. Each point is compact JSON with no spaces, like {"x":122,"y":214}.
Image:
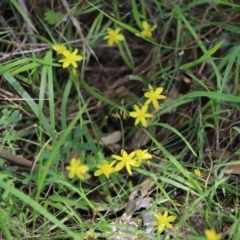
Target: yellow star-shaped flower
{"x":105,"y":168}
{"x":197,"y":172}
{"x":163,"y":221}
{"x":77,"y":168}
{"x":212,"y":235}
{"x":142,"y":155}
{"x":126,"y":160}
{"x":147,"y":29}
{"x":154,"y":95}
{"x":59,"y":48}
{"x":140,"y":115}
{"x":70,"y":58}
{"x":113,"y":36}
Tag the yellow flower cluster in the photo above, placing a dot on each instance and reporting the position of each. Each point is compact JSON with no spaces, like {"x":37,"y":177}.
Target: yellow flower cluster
{"x":141,"y":113}
{"x":134,"y":159}
{"x":68,"y":58}
{"x":114,"y":36}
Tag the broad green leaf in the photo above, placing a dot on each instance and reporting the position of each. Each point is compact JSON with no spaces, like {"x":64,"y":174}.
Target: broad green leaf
{"x":14,"y":64}
{"x":25,"y":68}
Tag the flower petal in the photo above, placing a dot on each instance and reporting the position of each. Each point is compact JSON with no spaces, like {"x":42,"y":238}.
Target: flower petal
{"x":144,"y":108}
{"x":83,"y":168}
{"x":159,"y":90}
{"x":55,"y":47}
{"x":145,"y":25}
{"x":155,"y":104}
{"x":66,"y":53}
{"x":71,"y":175}
{"x":148,"y":115}
{"x":66,"y":64}
{"x":150,"y":87}
{"x":120,"y":37}
{"x":144,"y":122}
{"x":133,"y":114}
{"x":74,"y":64}
{"x":128,"y":167}
{"x":171,"y":218}
{"x":117,"y":157}
{"x":78,"y":58}
{"x":68,"y":168}
{"x":117,"y":30}
{"x":75,"y":51}
{"x":110,"y":42}
{"x":137,"y":121}
{"x":106,"y":37}
{"x":137,"y":109}
{"x":161,"y":228}
{"x":148,"y":101}
{"x":119,"y":166}
{"x":168,"y":225}
{"x":98,"y":172}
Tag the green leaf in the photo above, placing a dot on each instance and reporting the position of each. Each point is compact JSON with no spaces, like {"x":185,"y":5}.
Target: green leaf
{"x":212,"y":50}
{"x":28,"y":99}
{"x":26,"y":199}
{"x":8,"y":118}
{"x":13,"y":65}
{"x":136,"y":78}
{"x":206,"y":56}
{"x":10,"y":136}
{"x":120,"y":23}
{"x":53,"y":17}
{"x":24,"y":15}
{"x":25,"y":68}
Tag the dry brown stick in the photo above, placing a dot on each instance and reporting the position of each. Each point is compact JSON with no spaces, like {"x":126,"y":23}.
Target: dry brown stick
{"x":16,"y":160}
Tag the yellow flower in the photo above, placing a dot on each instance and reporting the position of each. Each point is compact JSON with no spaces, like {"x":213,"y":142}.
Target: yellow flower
{"x":90,"y":234}
{"x":77,"y":168}
{"x":141,"y":115}
{"x":49,"y":147}
{"x":163,"y":221}
{"x":147,"y":29}
{"x":126,"y":160}
{"x":197,"y":172}
{"x":142,"y":155}
{"x":59,"y":48}
{"x":70,"y":58}
{"x":105,"y":168}
{"x":153,"y":96}
{"x":113,"y":36}
{"x":212,"y":235}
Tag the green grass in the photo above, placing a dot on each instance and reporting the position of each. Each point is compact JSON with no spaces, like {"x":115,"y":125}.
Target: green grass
{"x":193,"y":54}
